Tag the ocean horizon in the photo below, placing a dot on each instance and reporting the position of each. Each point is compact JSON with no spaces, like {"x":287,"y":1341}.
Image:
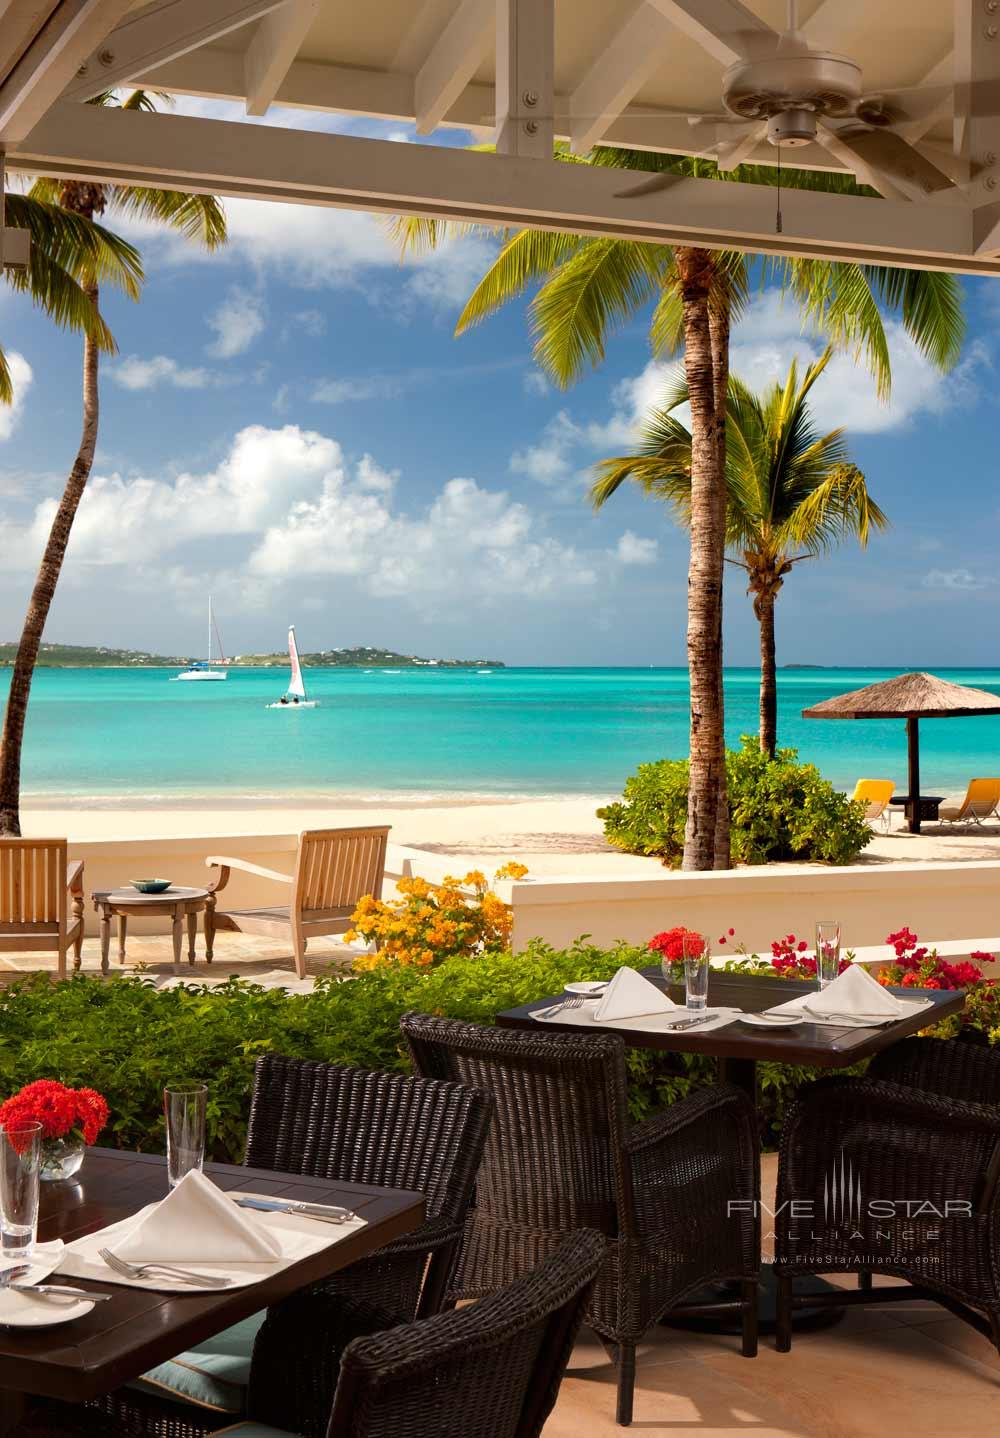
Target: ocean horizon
{"x":111,"y":736}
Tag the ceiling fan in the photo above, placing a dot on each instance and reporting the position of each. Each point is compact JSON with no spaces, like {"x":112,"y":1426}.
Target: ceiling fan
{"x":791,"y":95}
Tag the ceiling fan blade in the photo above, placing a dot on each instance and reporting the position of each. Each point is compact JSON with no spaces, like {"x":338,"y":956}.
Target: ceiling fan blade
{"x":911,"y":105}
{"x":663,"y":180}
{"x":730,"y":154}
{"x":725,"y":28}
{"x":887,"y":153}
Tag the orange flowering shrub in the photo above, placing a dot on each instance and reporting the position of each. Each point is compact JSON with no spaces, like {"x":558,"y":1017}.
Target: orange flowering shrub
{"x":428,"y":923}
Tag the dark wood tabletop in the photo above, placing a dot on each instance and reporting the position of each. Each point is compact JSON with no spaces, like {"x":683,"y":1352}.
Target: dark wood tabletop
{"x":119,"y":1340}
{"x":818,"y":1045}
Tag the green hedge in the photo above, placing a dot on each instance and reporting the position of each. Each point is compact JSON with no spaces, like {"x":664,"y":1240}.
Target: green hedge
{"x":129,"y":1040}
{"x":779,"y":810}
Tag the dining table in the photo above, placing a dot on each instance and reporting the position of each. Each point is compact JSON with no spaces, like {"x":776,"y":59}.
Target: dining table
{"x":739,"y":1048}
{"x":139,"y":1328}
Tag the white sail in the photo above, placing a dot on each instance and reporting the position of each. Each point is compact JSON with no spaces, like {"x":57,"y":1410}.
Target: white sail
{"x":296,"y":685}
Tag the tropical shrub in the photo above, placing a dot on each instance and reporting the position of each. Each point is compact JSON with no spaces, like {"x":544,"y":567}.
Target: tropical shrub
{"x":428,"y":923}
{"x":779,"y":810}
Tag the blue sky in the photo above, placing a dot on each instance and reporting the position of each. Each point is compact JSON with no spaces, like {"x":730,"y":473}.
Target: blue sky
{"x":291,"y":425}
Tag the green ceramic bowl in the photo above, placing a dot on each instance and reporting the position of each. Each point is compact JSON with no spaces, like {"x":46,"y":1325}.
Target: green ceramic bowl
{"x":151,"y":886}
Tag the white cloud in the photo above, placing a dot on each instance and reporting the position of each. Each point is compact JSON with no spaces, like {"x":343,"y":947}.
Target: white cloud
{"x":549,"y":461}
{"x":21,"y":376}
{"x":135,"y":373}
{"x":363,"y":387}
{"x":286,"y":505}
{"x":535,"y":383}
{"x":237,"y":322}
{"x":961,"y":579}
{"x":633,"y":549}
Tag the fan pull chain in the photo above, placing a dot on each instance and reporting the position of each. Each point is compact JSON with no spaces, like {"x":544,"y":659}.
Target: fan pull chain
{"x":778,"y":222}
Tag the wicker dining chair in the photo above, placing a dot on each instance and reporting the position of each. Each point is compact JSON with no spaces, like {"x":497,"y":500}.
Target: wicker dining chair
{"x":896,"y":1173}
{"x":674,"y":1195}
{"x":491,"y":1370}
{"x":360,"y":1127}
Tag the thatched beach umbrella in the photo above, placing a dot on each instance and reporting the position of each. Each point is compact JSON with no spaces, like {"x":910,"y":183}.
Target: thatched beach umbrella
{"x":911,"y":697}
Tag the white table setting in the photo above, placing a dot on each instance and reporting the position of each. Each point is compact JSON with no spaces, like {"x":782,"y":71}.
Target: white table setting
{"x":203,"y":1232}
{"x":630,"y":1001}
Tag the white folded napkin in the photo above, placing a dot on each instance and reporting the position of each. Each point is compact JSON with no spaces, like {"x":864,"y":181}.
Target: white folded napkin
{"x":854,"y":993}
{"x":630,"y":996}
{"x":197,"y":1222}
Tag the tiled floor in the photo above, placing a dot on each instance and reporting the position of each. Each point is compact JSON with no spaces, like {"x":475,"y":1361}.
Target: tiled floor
{"x":243,"y":954}
{"x":908,"y":1370}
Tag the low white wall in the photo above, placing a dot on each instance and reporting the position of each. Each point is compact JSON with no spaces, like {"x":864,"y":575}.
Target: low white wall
{"x":937,"y":901}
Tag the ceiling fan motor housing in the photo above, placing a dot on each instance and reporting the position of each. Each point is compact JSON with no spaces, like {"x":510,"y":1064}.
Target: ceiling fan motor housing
{"x":812,"y":82}
{"x":792,"y":128}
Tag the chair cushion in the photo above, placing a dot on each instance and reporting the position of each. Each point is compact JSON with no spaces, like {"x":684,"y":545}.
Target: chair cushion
{"x":251,"y":1430}
{"x":213,"y":1375}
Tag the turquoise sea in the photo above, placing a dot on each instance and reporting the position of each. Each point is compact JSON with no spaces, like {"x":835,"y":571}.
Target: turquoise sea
{"x":130,"y":735}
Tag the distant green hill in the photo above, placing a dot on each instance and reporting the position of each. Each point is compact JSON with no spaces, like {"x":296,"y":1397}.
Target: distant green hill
{"x":85,"y":656}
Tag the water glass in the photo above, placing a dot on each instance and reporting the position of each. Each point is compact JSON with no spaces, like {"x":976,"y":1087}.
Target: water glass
{"x":696,"y":957}
{"x":184,"y":1108}
{"x":827,"y":952}
{"x":20,"y":1165}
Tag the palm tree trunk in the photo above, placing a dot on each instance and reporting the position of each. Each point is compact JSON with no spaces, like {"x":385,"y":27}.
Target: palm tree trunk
{"x":768,"y":677}
{"x":696,"y":269}
{"x":719,"y":317}
{"x":42,"y":596}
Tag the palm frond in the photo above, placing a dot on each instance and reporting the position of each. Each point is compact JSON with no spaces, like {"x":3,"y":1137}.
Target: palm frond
{"x":415,"y":235}
{"x":82,"y":248}
{"x":593,"y":293}
{"x":526,"y":257}
{"x":839,"y":507}
{"x":197,"y":217}
{"x":6,"y":382}
{"x":930,"y":306}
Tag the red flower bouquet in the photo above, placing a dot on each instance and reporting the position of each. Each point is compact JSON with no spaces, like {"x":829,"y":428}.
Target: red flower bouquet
{"x":70,"y":1118}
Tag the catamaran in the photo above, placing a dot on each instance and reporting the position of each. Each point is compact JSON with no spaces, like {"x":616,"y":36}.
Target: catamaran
{"x":294,"y":696}
{"x":198,"y":670}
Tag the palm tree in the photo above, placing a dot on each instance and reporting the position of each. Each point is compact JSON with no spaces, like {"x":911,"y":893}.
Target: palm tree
{"x":788,"y":489}
{"x":198,"y":217}
{"x":590,"y":287}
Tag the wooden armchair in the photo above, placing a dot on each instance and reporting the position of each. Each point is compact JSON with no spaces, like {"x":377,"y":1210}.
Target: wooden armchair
{"x":41,"y":899}
{"x":334,"y":869}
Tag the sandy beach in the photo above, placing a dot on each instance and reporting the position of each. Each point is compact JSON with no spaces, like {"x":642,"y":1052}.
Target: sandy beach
{"x":559,"y":836}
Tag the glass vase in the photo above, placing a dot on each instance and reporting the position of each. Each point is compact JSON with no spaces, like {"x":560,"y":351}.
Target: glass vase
{"x":61,"y":1158}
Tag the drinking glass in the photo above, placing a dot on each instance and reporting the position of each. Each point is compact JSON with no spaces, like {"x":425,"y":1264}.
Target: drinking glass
{"x":696,"y":958}
{"x":184,"y":1108}
{"x":827,"y":952}
{"x":20,"y":1164}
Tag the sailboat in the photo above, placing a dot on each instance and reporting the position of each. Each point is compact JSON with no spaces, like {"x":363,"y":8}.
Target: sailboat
{"x":198,"y":670}
{"x":294,"y":696}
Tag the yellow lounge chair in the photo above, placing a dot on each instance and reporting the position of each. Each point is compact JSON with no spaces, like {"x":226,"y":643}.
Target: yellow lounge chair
{"x":981,"y":802}
{"x":875,"y":795}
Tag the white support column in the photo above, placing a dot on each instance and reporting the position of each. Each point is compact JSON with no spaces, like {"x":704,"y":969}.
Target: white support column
{"x":525,"y":93}
{"x":15,"y":245}
{"x":977,"y":132}
{"x":455,"y":57}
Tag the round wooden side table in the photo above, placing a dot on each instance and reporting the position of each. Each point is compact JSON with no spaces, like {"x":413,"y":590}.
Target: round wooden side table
{"x":179,"y":903}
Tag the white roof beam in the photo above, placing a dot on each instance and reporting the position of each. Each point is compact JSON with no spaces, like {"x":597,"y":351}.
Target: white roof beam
{"x":272,"y":50}
{"x":725,"y":28}
{"x":387,"y":95}
{"x":213,"y":156}
{"x":525,"y":93}
{"x":977,"y":123}
{"x":53,"y":57}
{"x":456,"y":56}
{"x":160,"y":32}
{"x":618,"y":73}
{"x":20,"y":22}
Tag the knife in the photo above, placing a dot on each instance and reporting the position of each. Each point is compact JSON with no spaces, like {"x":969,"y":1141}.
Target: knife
{"x":690,"y":1023}
{"x":328,"y":1213}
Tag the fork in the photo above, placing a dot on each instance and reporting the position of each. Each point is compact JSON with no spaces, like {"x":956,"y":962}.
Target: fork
{"x":142,"y":1270}
{"x":576,"y":1002}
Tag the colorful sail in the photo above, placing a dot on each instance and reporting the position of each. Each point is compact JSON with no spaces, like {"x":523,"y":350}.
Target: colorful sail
{"x":296,"y":685}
